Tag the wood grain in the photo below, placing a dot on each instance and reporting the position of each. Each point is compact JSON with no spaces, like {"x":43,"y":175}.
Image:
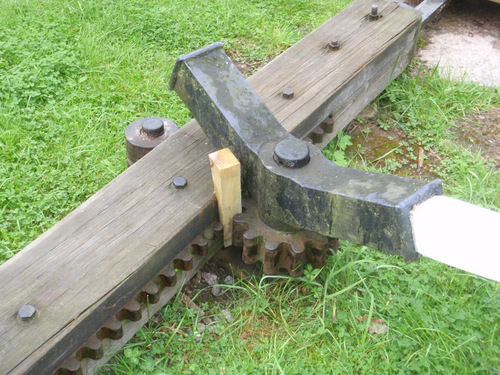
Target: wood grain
{"x":80,"y":272}
{"x":226,"y":177}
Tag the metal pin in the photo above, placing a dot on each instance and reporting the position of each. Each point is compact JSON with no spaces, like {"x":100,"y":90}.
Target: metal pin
{"x":374,"y":13}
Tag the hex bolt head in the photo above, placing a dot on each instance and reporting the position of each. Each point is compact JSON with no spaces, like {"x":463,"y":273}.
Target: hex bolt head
{"x":291,"y":153}
{"x":334,"y":45}
{"x":153,"y":126}
{"x":26,"y":313}
{"x":374,"y":13}
{"x":179,"y":182}
{"x":287,"y":93}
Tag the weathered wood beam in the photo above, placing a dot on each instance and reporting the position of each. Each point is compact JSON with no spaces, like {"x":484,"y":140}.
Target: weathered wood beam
{"x":84,"y":269}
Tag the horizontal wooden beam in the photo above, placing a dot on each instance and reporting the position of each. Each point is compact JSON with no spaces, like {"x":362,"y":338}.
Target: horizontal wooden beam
{"x":84,"y":269}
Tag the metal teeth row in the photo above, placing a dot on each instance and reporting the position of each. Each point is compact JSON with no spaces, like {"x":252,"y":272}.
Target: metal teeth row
{"x":318,"y":133}
{"x":276,"y":249}
{"x":94,"y":348}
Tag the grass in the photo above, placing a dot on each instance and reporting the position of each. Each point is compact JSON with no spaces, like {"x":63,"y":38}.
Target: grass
{"x":75,"y":73}
{"x":438,"y":320}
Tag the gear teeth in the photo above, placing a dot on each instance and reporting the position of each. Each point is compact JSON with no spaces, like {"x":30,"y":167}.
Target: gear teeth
{"x":167,"y":277}
{"x":317,"y":135}
{"x":71,"y":366}
{"x":199,"y":246}
{"x":155,"y":294}
{"x":276,"y":249}
{"x":131,"y":311}
{"x":328,"y":124}
{"x":184,"y":261}
{"x":150,"y":294}
{"x":92,"y":348}
{"x":217,"y":231}
{"x":112,"y":329}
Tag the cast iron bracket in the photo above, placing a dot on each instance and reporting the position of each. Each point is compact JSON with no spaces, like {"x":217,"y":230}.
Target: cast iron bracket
{"x":295,"y":186}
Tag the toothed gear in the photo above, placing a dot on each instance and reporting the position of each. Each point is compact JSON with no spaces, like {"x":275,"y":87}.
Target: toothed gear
{"x":276,"y":249}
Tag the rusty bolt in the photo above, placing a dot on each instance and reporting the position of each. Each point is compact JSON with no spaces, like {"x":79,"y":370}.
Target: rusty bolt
{"x":153,"y":126}
{"x":374,"y":13}
{"x":180,"y":182}
{"x":287,"y":93}
{"x":26,"y":313}
{"x":334,"y":45}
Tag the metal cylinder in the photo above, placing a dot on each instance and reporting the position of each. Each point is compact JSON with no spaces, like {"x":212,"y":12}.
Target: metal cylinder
{"x":144,"y":134}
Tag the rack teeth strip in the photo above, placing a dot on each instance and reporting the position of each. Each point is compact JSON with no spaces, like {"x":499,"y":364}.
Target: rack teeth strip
{"x":99,"y":348}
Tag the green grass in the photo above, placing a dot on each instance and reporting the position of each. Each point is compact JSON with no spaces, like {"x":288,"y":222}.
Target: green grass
{"x":439,"y":320}
{"x":75,"y":73}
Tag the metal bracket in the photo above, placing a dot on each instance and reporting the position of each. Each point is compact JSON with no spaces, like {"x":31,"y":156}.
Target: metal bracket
{"x":295,"y":186}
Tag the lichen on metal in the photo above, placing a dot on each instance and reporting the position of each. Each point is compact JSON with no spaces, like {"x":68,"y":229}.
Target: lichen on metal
{"x":322,"y":197}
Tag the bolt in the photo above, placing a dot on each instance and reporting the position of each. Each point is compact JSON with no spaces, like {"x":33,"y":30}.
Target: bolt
{"x":334,"y":45}
{"x":374,"y":13}
{"x":26,"y":313}
{"x":287,"y":93}
{"x":180,"y":182}
{"x":291,"y":153}
{"x":153,"y":126}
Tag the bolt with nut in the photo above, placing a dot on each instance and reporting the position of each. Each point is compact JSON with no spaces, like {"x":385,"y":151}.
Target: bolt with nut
{"x":287,"y":93}
{"x":179,"y":182}
{"x":334,"y":45}
{"x":374,"y":13}
{"x":26,"y":313}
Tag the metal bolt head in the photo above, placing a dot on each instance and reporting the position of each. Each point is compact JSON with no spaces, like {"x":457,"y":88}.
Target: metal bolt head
{"x":26,"y":313}
{"x":291,"y":153}
{"x":287,"y":93}
{"x":374,"y":13}
{"x":153,"y":126}
{"x":179,"y":182}
{"x":334,"y":45}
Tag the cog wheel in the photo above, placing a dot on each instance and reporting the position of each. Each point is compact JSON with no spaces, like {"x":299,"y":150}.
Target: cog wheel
{"x":277,"y":249}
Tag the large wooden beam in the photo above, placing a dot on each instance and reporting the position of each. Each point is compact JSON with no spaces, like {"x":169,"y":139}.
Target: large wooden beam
{"x":84,"y":269}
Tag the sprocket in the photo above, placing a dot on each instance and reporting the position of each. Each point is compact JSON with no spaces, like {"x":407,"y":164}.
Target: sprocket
{"x":277,"y":249}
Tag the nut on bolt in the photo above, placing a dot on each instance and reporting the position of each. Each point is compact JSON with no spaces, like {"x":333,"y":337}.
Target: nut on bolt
{"x":287,"y":93}
{"x":334,"y":45}
{"x":26,"y":313}
{"x":374,"y":13}
{"x":179,"y":182}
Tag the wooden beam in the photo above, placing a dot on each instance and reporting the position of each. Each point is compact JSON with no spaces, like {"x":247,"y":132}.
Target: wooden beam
{"x":85,"y":268}
{"x":226,"y":176}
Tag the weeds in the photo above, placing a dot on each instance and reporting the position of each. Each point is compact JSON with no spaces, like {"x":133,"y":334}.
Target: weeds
{"x":75,"y":73}
{"x":320,"y":323}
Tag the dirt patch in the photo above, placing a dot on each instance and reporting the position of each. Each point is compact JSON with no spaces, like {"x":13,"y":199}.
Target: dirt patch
{"x":464,"y":40}
{"x":390,"y":148}
{"x":481,"y":132}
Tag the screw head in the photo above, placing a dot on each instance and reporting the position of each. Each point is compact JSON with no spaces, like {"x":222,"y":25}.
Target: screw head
{"x":287,"y":93}
{"x":334,"y":44}
{"x":291,"y":153}
{"x":374,"y":12}
{"x":26,"y":313}
{"x":179,"y":182}
{"x":153,"y":126}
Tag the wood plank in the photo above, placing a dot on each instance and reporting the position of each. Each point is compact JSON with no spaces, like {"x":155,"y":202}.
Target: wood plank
{"x":226,"y":176}
{"x":81,"y":271}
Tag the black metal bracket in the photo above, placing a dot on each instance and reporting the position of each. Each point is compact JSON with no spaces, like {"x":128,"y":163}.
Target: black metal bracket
{"x":295,"y":186}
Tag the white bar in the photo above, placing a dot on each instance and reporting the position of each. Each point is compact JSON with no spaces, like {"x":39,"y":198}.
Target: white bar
{"x":459,"y":234}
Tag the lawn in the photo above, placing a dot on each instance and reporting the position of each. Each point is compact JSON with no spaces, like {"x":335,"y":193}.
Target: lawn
{"x":75,"y":73}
